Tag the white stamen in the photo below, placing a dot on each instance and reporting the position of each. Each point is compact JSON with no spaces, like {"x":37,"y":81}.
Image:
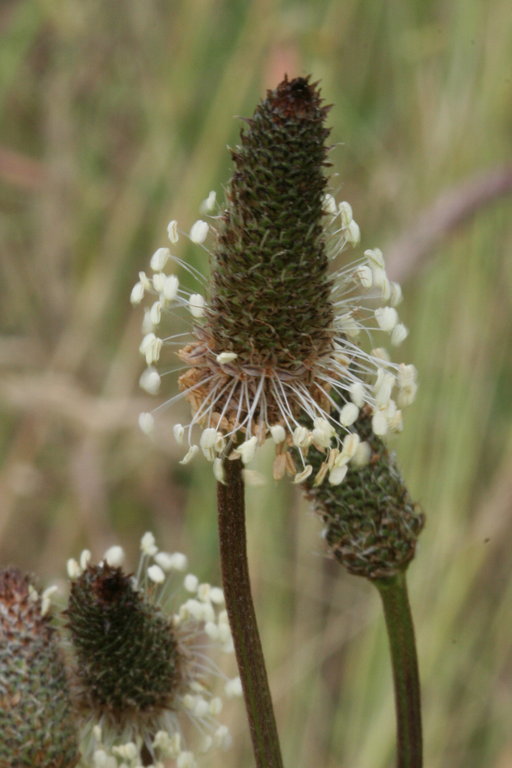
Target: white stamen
{"x":146,"y":423}
{"x":278,"y":433}
{"x":375,"y":257}
{"x":73,"y":569}
{"x":387,"y":318}
{"x":218,"y":471}
{"x":159,"y":259}
{"x":396,"y":294}
{"x":178,"y":431}
{"x":191,"y":582}
{"x":365,"y":276}
{"x":85,"y":558}
{"x":199,"y":231}
{"x":362,"y":455}
{"x":345,"y":210}
{"x":357,"y":393}
{"x":208,"y":205}
{"x":348,"y":414}
{"x":190,"y":454}
{"x":137,"y":293}
{"x":156,"y":574}
{"x":196,"y":305}
{"x":379,"y":423}
{"x":337,"y":475}
{"x":150,"y":381}
{"x":301,"y":476}
{"x":247,"y":449}
{"x":353,"y":233}
{"x":148,"y":544}
{"x":172,"y":231}
{"x":170,"y":287}
{"x":398,"y":334}
{"x":114,"y":556}
{"x":226,"y":357}
{"x":329,"y":204}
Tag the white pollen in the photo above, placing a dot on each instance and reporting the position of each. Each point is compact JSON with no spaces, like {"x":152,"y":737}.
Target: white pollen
{"x":85,"y":558}
{"x":159,"y":259}
{"x":156,"y":574}
{"x":226,"y":357}
{"x":196,"y":305}
{"x":199,"y":231}
{"x":300,"y":436}
{"x":114,"y":556}
{"x":172,"y":231}
{"x":146,"y":423}
{"x":348,"y":414}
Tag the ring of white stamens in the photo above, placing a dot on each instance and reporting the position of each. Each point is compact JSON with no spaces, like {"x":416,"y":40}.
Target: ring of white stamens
{"x":238,"y":405}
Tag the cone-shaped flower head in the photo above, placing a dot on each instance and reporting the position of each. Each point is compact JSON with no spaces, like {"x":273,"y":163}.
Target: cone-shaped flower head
{"x":37,"y":727}
{"x":138,"y":671}
{"x":275,"y":350}
{"x":371,"y":523}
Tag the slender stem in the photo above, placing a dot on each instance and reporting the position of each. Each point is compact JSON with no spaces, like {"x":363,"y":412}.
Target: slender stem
{"x":397,"y":611}
{"x":237,"y":591}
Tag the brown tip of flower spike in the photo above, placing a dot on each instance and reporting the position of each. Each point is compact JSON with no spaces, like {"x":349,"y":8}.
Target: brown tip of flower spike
{"x":36,"y":722}
{"x":270,"y":236}
{"x":372,"y":525}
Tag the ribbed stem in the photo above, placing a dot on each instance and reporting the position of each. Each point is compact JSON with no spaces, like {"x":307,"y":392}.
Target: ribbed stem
{"x":237,"y":591}
{"x":397,"y":611}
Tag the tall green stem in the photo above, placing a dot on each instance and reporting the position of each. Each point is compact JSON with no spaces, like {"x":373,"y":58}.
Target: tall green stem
{"x":393,"y":591}
{"x":239,"y":604}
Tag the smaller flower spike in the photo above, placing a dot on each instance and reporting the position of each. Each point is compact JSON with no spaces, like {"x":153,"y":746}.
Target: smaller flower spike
{"x":372,"y":525}
{"x":37,"y":728}
{"x":278,"y":342}
{"x":139,"y":671}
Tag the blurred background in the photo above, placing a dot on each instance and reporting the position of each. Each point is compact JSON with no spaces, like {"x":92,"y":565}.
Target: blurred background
{"x":115,"y":119}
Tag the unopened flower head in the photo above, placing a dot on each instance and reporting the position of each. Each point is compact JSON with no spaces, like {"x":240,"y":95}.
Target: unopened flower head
{"x":371,"y":523}
{"x":37,"y":726}
{"x":140,"y":667}
{"x":277,"y":340}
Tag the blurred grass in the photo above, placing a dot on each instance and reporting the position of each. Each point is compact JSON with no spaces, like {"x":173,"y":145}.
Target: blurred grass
{"x":115,"y":119}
